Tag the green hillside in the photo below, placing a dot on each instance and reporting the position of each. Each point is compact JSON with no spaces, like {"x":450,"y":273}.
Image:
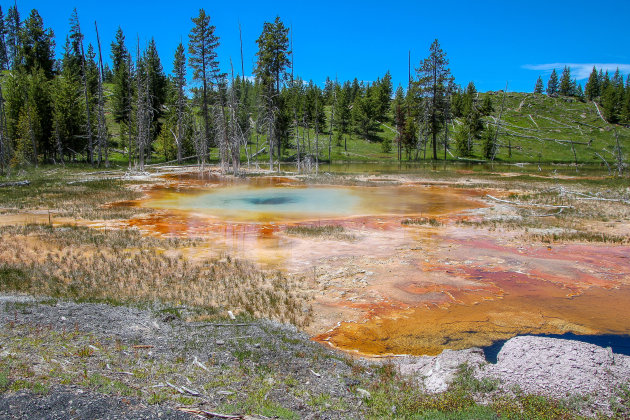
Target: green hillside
{"x":540,"y":128}
{"x":536,"y":128}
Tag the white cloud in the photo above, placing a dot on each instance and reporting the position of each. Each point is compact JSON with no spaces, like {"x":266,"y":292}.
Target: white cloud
{"x":580,"y":71}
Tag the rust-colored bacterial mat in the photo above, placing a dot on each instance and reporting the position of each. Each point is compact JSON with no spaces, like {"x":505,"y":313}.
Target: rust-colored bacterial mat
{"x":398,"y":275}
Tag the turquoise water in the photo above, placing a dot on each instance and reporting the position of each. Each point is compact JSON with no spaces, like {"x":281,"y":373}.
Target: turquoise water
{"x":281,"y":202}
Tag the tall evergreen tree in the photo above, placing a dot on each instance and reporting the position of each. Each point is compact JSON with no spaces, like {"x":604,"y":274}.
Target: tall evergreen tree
{"x":434,"y":78}
{"x":486,"y":107}
{"x":565,"y":88}
{"x":626,"y":105}
{"x":273,"y":54}
{"x":68,"y":116}
{"x":398,"y":108}
{"x":617,"y":79}
{"x":328,"y":92}
{"x":611,"y":103}
{"x":552,"y":84}
{"x":203,"y":59}
{"x":385,"y":90}
{"x":539,"y":85}
{"x":470,"y":131}
{"x":343,"y":114}
{"x":122,"y":89}
{"x":13,"y":28}
{"x":4,"y":60}
{"x":365,"y":111}
{"x":579,"y":92}
{"x":592,"y":86}
{"x":157,"y":83}
{"x":179,"y":71}
{"x":38,"y":45}
{"x":77,"y":48}
{"x":604,"y":81}
{"x":273,"y":61}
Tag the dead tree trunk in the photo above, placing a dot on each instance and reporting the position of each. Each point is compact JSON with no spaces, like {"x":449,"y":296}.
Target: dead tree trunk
{"x":619,"y":155}
{"x":102,"y":126}
{"x":4,"y":143}
{"x":496,"y":133}
{"x":332,"y":119}
{"x":297,"y":138}
{"x":130,"y":145}
{"x":87,"y":102}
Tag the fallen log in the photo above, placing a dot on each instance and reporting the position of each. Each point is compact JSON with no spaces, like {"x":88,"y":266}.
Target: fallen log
{"x":15,"y":184}
{"x":211,"y":415}
{"x":518,"y":203}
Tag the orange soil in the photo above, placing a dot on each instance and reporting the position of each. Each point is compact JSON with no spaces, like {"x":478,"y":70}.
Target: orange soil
{"x":415,"y":289}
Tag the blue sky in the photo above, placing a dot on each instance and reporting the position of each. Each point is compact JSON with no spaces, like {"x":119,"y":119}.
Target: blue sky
{"x":491,"y":42}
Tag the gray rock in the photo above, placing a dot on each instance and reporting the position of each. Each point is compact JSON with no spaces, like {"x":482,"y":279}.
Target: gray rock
{"x":437,"y":372}
{"x":558,"y":368}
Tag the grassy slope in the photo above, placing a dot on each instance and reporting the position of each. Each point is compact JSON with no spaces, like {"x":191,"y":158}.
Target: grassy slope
{"x":525,"y":114}
{"x":536,"y":115}
{"x":544,"y":137}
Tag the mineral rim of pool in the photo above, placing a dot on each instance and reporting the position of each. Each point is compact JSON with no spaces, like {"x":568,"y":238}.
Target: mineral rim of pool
{"x":430,"y":288}
{"x":289,"y":203}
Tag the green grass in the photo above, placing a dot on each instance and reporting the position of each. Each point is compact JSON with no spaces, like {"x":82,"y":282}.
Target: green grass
{"x":543,"y":138}
{"x":563,"y":120}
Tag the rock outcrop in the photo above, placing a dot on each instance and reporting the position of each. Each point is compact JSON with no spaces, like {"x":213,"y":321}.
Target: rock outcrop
{"x":534,"y":365}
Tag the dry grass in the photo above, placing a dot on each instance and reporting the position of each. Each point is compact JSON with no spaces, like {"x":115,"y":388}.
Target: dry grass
{"x":421,"y":221}
{"x":124,"y":266}
{"x":84,"y":200}
{"x":325,"y":231}
{"x":581,"y":220}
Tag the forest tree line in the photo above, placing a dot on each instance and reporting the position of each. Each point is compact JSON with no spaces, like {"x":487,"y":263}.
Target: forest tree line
{"x":610,"y":92}
{"x":58,"y":110}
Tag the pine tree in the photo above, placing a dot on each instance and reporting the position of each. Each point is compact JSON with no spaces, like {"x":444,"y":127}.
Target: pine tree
{"x":273,"y":61}
{"x":4,"y":60}
{"x":25,"y":151}
{"x":385,"y":90}
{"x":552,"y":84}
{"x":77,"y":47}
{"x":67,"y":111}
{"x":179,"y":70}
{"x":592,"y":86}
{"x":14,"y":86}
{"x":13,"y":28}
{"x":157,"y":84}
{"x":617,"y":79}
{"x":38,"y":46}
{"x":434,"y":78}
{"x":579,"y":92}
{"x":611,"y":103}
{"x":343,"y":114}
{"x":457,"y":102}
{"x":122,"y":89}
{"x":468,"y":99}
{"x":489,"y":144}
{"x":539,"y":85}
{"x":328,"y":92}
{"x":203,"y":58}
{"x":565,"y":82}
{"x":398,"y":106}
{"x":108,"y":75}
{"x":487,"y":107}
{"x":273,"y":54}
{"x":604,"y":82}
{"x":364,"y":112}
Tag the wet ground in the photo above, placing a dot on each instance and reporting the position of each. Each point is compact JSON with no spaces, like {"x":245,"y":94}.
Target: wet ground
{"x":387,"y":287}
